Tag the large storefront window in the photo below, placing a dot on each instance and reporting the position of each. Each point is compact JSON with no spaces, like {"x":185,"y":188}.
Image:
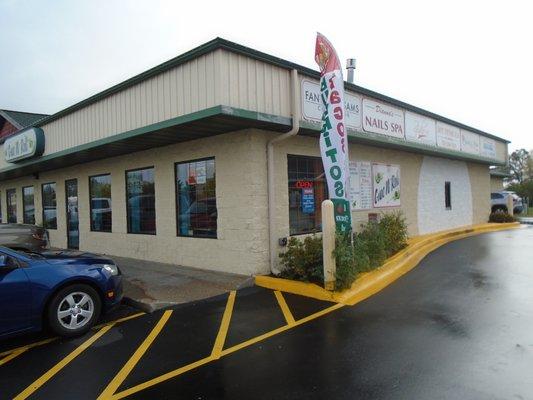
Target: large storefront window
{"x":11,"y":197}
{"x":307,"y":190}
{"x":28,"y":205}
{"x":100,"y":198}
{"x":140,"y":197}
{"x":196,"y":198}
{"x":49,"y":205}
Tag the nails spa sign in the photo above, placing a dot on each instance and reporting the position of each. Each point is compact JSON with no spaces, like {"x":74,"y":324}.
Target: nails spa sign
{"x":371,"y":116}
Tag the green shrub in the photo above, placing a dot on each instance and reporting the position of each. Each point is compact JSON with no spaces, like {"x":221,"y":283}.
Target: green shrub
{"x":346,"y":268}
{"x":372,"y":242}
{"x":365,"y":251}
{"x":394,"y":230}
{"x":303,"y":260}
{"x":501,"y":217}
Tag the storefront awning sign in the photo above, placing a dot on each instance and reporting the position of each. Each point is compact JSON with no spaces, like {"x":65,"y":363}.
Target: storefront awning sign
{"x":23,"y":145}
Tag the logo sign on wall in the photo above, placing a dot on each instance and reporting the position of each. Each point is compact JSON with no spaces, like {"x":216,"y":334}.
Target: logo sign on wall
{"x":448,"y":136}
{"x":386,"y":181}
{"x":487,"y":147}
{"x":312,"y":108}
{"x":469,"y":142}
{"x":24,"y":145}
{"x":382,"y":118}
{"x":420,"y":129}
{"x":360,"y":185}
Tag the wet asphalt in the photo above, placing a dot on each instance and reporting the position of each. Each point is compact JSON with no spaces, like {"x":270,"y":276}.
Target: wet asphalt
{"x":458,"y":326}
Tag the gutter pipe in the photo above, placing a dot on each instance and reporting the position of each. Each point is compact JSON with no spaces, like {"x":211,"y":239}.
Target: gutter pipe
{"x":295,"y":111}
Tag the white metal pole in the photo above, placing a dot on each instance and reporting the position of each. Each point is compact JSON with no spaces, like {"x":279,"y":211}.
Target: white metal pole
{"x":328,"y":244}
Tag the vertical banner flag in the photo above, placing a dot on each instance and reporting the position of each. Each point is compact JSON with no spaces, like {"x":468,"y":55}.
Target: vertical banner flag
{"x":333,"y":137}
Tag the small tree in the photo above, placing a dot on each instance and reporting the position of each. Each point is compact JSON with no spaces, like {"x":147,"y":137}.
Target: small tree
{"x":520,"y":164}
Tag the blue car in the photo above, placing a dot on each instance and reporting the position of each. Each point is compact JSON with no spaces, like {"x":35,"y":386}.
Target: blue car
{"x":63,"y":290}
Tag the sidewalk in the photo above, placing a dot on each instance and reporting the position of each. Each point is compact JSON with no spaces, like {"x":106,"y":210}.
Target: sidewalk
{"x":151,"y":285}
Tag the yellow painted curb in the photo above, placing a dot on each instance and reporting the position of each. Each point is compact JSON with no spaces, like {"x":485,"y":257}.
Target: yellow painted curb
{"x":372,"y":282}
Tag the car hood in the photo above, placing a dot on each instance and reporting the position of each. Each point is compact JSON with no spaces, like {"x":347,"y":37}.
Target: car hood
{"x":74,"y":256}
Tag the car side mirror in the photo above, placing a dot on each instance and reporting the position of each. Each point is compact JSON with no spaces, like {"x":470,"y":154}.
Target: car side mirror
{"x":5,"y":265}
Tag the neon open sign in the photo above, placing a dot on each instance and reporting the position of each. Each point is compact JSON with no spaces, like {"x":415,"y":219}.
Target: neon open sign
{"x":304,"y":184}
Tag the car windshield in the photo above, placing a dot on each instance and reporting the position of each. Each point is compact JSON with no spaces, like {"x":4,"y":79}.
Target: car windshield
{"x":100,"y":204}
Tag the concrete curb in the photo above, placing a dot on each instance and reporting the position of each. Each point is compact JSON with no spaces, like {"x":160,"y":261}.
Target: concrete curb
{"x":148,"y":306}
{"x":372,"y":282}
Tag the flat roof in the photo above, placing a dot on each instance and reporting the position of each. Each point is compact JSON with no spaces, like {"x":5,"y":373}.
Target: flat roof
{"x":219,"y":43}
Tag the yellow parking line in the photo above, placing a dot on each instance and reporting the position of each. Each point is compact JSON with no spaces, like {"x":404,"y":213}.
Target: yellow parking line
{"x":281,"y":329}
{"x":134,"y":359}
{"x":22,"y":349}
{"x":224,"y":325}
{"x":162,"y":378}
{"x":63,"y":363}
{"x":11,"y":356}
{"x":206,"y":360}
{"x":284,"y":308}
{"x":118,"y":321}
{"x":46,"y":341}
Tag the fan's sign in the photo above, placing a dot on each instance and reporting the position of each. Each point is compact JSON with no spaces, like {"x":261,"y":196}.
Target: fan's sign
{"x":360,"y":185}
{"x":386,"y":182}
{"x":487,"y":147}
{"x":26,"y":144}
{"x":420,"y":129}
{"x":469,"y":142}
{"x":448,"y":136}
{"x":333,"y":135}
{"x":383,"y":119}
{"x":312,"y":108}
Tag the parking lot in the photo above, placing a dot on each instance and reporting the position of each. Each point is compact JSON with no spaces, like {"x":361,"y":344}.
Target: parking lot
{"x":458,"y":326}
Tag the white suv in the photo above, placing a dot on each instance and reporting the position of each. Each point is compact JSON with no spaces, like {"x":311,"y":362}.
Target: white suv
{"x":499,"y":202}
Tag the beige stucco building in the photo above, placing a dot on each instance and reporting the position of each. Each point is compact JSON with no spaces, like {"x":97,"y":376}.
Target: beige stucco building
{"x":171,"y":165}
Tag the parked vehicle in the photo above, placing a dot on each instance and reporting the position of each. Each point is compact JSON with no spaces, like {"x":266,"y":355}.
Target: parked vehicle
{"x":24,"y":237}
{"x":101,"y":213}
{"x":202,"y":215}
{"x":499,"y":202}
{"x":63,"y":290}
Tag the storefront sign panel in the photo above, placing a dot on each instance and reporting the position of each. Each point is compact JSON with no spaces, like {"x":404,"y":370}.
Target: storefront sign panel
{"x":420,"y":129}
{"x":383,"y":119}
{"x":448,"y":136}
{"x":386,"y":182}
{"x":312,"y":108}
{"x":469,"y":142}
{"x":24,"y":145}
{"x":487,"y":147}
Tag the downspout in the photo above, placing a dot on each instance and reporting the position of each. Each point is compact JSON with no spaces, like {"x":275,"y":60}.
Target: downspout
{"x":295,"y":111}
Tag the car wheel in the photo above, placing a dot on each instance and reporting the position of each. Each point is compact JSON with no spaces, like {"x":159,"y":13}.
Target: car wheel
{"x":74,"y":310}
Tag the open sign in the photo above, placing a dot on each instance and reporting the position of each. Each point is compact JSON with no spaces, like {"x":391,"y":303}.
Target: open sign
{"x":304,"y":184}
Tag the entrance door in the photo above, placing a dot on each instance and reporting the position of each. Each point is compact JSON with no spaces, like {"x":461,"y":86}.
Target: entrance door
{"x":73,"y":231}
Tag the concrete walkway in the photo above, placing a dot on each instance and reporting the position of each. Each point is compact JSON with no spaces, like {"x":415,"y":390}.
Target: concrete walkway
{"x":151,"y":285}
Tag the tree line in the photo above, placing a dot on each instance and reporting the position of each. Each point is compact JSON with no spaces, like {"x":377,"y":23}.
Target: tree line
{"x":521,"y":171}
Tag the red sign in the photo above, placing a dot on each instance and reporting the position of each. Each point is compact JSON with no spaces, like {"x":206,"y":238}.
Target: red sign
{"x":304,"y":184}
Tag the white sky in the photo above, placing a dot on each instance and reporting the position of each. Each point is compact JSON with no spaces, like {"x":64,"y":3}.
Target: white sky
{"x":468,"y":61}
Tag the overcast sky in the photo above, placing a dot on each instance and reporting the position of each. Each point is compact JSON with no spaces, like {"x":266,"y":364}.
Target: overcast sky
{"x":468,"y":61}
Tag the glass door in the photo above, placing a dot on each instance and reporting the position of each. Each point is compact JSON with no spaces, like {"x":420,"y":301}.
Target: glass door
{"x":73,"y":231}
